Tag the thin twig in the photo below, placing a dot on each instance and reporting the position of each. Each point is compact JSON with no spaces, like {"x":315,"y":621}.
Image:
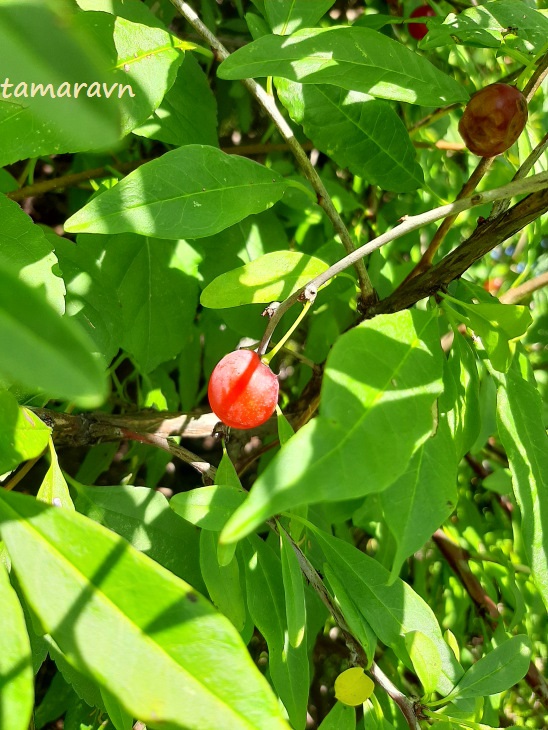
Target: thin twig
{"x":411,"y":223}
{"x":268,"y":104}
{"x":524,"y":290}
{"x":23,"y":471}
{"x":203,"y":467}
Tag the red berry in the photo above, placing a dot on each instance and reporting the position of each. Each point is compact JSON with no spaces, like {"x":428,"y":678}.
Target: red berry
{"x":243,"y":391}
{"x":419,"y":30}
{"x":493,"y":119}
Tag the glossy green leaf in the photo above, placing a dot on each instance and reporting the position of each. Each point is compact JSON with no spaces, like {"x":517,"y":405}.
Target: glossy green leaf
{"x":287,"y":16}
{"x":358,"y":132}
{"x":16,"y":677}
{"x":425,"y":656}
{"x":46,"y":352}
{"x":522,"y":432}
{"x":23,"y":435}
{"x":391,"y":610}
{"x":222,"y":581}
{"x":187,"y":113}
{"x":226,"y":474}
{"x":25,"y":249}
{"x":91,"y":299}
{"x":84,"y":686}
{"x":288,"y":666}
{"x":272,"y":277}
{"x":421,"y":499}
{"x":144,"y":61}
{"x":43,"y":43}
{"x":285,"y":429}
{"x":497,"y":671}
{"x":380,"y":382}
{"x":174,"y":636}
{"x":142,"y":516}
{"x":353,"y":58}
{"x":190,"y":192}
{"x":207,"y":507}
{"x":295,"y":604}
{"x":155,"y":283}
{"x":340,"y":717}
{"x":54,"y":489}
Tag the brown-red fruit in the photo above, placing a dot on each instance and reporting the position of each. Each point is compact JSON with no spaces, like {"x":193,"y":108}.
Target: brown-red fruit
{"x":419,"y":30}
{"x":493,"y":119}
{"x":243,"y":391}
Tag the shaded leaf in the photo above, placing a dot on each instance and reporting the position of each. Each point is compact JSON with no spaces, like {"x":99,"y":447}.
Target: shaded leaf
{"x":424,"y":654}
{"x":358,"y":132}
{"x":16,"y":677}
{"x":391,"y":610}
{"x":25,"y":249}
{"x":353,"y":58}
{"x":54,"y":489}
{"x":295,"y":604}
{"x":287,"y":16}
{"x":190,"y":192}
{"x":523,"y":435}
{"x":142,"y":516}
{"x":422,"y":498}
{"x":207,"y":507}
{"x":46,"y":352}
{"x":340,"y":717}
{"x":222,"y":581}
{"x":498,"y":670}
{"x":187,"y":113}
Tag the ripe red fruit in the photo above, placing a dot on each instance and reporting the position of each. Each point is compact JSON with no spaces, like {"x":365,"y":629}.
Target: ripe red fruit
{"x":243,"y":391}
{"x":419,"y":30}
{"x":493,"y":119}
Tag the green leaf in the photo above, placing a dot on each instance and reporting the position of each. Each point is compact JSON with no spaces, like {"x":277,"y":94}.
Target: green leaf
{"x":142,"y":516}
{"x":187,"y":113}
{"x":46,"y":352}
{"x":285,"y":429}
{"x":357,"y":623}
{"x":226,"y":472}
{"x":460,"y":399}
{"x":487,"y":26}
{"x":55,"y":702}
{"x":353,"y":58}
{"x":222,"y":581}
{"x":523,"y":435}
{"x":91,"y":299}
{"x":23,"y":436}
{"x":287,"y":16}
{"x":426,"y":659}
{"x":497,"y":671}
{"x":173,"y":635}
{"x":190,"y":192}
{"x":142,"y":58}
{"x":272,"y":277}
{"x":158,"y":292}
{"x":391,"y":610}
{"x":362,"y":134}
{"x":497,"y":324}
{"x":207,"y":507}
{"x":380,"y":382}
{"x":422,"y":498}
{"x":288,"y":666}
{"x":16,"y":677}
{"x":44,"y":43}
{"x":121,"y":719}
{"x":54,"y":489}
{"x":339,"y":717}
{"x":295,"y":604}
{"x":25,"y":249}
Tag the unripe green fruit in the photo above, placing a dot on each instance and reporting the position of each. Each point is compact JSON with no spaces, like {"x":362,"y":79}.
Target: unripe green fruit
{"x":493,"y":119}
{"x":243,"y":391}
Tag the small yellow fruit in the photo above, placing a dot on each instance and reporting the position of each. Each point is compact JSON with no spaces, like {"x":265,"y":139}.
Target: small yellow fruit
{"x":353,"y":687}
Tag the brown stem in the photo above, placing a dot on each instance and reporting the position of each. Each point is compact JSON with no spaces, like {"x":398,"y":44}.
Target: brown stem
{"x":486,"y":237}
{"x":524,"y":290}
